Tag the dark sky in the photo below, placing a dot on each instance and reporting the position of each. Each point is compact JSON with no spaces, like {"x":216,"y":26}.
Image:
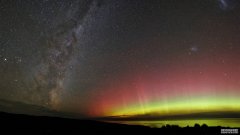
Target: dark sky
{"x":93,"y":57}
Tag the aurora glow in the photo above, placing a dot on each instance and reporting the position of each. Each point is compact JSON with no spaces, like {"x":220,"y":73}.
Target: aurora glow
{"x":122,"y":58}
{"x":179,"y":89}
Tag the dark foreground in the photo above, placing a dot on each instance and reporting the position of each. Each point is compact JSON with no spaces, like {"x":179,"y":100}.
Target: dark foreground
{"x":22,"y":124}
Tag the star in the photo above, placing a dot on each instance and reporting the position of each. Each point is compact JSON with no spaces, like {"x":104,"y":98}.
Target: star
{"x":5,"y":59}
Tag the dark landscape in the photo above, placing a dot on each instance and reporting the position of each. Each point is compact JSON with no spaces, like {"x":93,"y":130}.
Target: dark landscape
{"x":19,"y":123}
{"x":120,"y":67}
{"x":22,"y":118}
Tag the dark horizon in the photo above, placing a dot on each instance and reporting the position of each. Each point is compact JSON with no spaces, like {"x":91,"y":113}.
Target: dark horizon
{"x":162,"y":61}
{"x":33,"y":110}
{"x":20,"y":123}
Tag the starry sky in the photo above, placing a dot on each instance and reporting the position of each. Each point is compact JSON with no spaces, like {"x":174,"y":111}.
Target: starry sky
{"x":109,"y":57}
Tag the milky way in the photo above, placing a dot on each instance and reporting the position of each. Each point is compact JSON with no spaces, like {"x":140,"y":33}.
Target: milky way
{"x":58,"y":40}
{"x":105,"y":58}
{"x":56,"y":62}
{"x":51,"y":76}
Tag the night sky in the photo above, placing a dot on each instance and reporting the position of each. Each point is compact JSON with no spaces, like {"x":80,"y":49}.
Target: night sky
{"x":121,"y":57}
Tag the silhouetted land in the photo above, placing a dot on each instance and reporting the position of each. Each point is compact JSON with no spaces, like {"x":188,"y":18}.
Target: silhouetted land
{"x":19,"y":123}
